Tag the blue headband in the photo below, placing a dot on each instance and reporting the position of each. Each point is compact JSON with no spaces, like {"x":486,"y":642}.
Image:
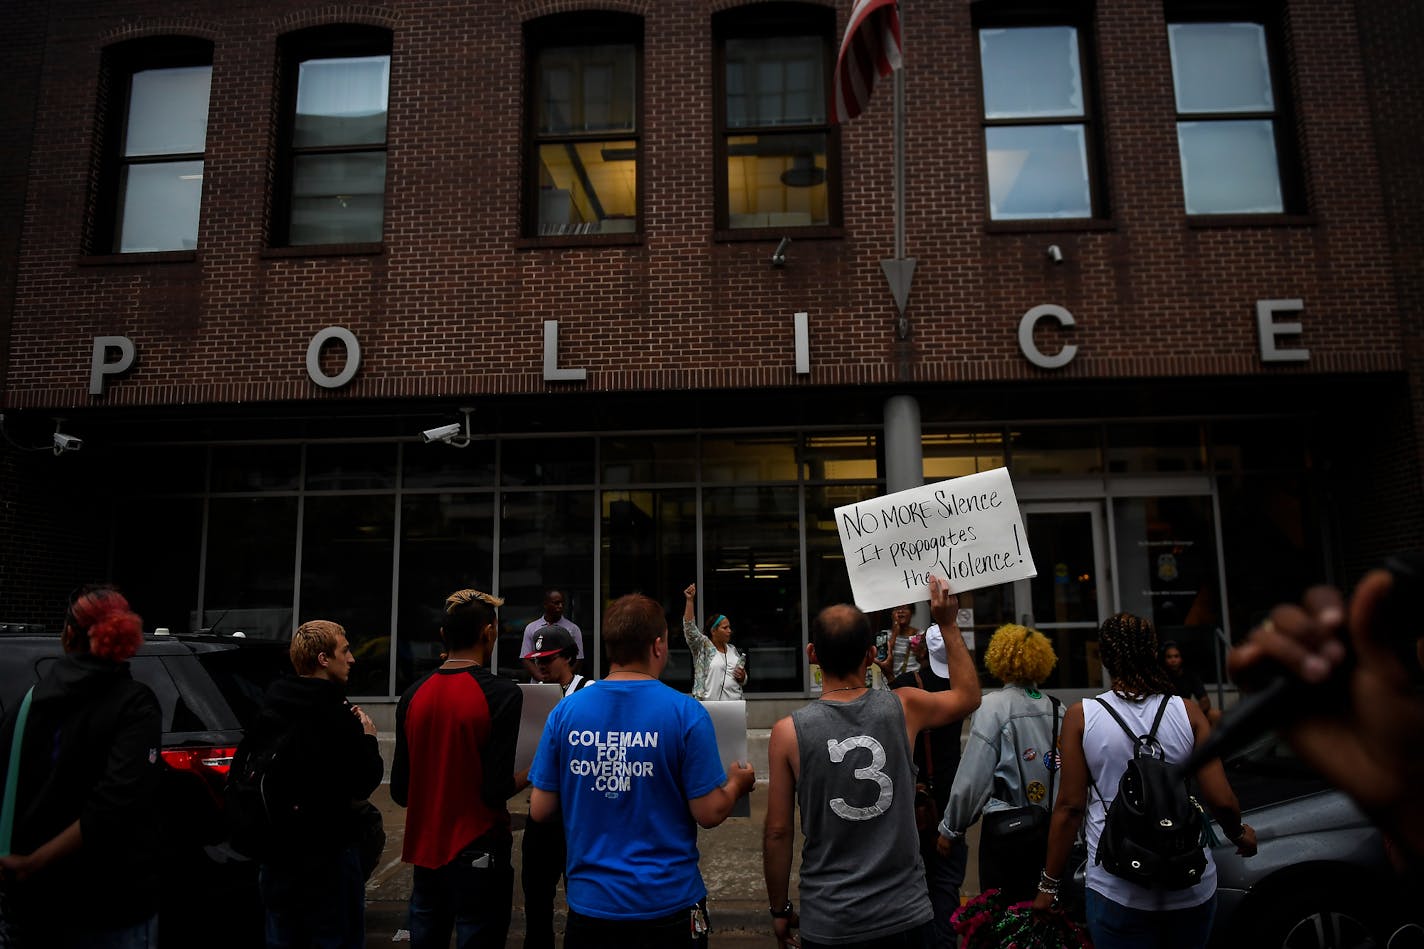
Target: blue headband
{"x":717,"y":622}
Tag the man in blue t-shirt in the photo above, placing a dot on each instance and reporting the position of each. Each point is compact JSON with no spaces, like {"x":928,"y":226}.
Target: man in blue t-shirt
{"x":632,"y":768}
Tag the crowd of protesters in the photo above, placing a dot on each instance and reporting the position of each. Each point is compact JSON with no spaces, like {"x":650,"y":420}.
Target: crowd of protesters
{"x":628,"y":771}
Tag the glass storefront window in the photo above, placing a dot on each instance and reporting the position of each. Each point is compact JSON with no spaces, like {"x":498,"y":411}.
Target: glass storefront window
{"x":955,"y":454}
{"x":158,"y":545}
{"x":1042,"y":450}
{"x":438,"y":465}
{"x":1278,"y":444}
{"x":626,"y":459}
{"x":546,"y":541}
{"x":251,"y":565}
{"x":1158,"y":448}
{"x":650,"y":547}
{"x":348,"y":543}
{"x":546,"y":461}
{"x":752,"y":457}
{"x":351,"y":467}
{"x":1167,"y":572}
{"x":446,"y":544}
{"x":827,"y":582}
{"x":244,"y":468}
{"x":836,"y":457}
{"x":752,"y":573}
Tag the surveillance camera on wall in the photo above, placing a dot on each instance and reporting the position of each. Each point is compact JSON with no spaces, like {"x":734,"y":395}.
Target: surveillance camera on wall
{"x":442,"y":434}
{"x":778,"y":256}
{"x":63,"y":442}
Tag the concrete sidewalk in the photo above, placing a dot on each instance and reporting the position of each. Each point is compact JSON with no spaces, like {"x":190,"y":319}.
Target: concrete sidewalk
{"x":731,"y":868}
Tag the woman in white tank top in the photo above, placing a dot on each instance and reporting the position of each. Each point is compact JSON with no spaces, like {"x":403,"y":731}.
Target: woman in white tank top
{"x":1095,"y":750}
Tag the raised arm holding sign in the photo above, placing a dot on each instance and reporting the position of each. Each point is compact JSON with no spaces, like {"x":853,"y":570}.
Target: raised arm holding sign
{"x":966,"y":530}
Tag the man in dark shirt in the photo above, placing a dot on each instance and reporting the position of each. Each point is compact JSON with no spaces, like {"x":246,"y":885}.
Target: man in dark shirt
{"x":456,"y":731}
{"x":936,"y":760}
{"x":313,"y":886}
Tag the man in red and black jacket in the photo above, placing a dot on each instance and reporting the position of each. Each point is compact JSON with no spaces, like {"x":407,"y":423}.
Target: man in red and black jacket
{"x":456,"y":731}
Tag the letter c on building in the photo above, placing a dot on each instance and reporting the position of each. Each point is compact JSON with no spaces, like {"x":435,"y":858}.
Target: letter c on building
{"x":1032,"y":352}
{"x":353,"y":357}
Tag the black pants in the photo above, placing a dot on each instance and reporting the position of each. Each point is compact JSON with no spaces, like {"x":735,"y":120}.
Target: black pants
{"x":918,"y":938}
{"x":543,"y":864}
{"x":666,"y":932}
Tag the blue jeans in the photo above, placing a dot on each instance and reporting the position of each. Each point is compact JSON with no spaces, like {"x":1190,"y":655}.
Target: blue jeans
{"x":138,"y":936}
{"x":1114,"y":926}
{"x":673,"y":931}
{"x":472,"y":894}
{"x":316,"y":904}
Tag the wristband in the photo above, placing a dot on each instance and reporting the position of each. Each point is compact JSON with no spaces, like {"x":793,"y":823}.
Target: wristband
{"x":783,"y":913}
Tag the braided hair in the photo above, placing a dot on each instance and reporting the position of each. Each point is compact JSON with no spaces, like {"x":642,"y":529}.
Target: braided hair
{"x":1128,"y":644}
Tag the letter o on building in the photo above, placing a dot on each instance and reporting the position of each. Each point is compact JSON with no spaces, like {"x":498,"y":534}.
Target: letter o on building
{"x":353,"y":357}
{"x":1032,"y":352}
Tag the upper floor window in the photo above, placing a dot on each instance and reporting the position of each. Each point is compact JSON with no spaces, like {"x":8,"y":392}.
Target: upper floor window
{"x":332,"y":176}
{"x":777,"y":153}
{"x":1229,"y":118}
{"x":1040,"y":143}
{"x":152,"y":179}
{"x":584,"y":124}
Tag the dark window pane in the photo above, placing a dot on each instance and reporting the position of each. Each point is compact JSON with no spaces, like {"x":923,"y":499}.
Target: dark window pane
{"x":252,"y":545}
{"x":649,"y":547}
{"x":168,"y":111}
{"x":347,"y":546}
{"x":441,"y":466}
{"x":775,"y":80}
{"x":1221,"y":67}
{"x":157,"y":547}
{"x":158,"y":206}
{"x":587,"y":89}
{"x":350,"y":467}
{"x":546,"y":541}
{"x":1161,"y":448}
{"x":1230,"y":167}
{"x":338,"y":199}
{"x":1259,"y":445}
{"x":256,"y":467}
{"x":1038,"y":171}
{"x":530,"y":461}
{"x":749,"y":458}
{"x":588,"y":187}
{"x":1057,"y":450}
{"x":1167,"y":564}
{"x":447,"y":544}
{"x":752,"y":573}
{"x":633,"y":460}
{"x":777,"y":180}
{"x":1031,"y":72}
{"x":161,"y":469}
{"x":342,"y":101}
{"x":832,"y":457}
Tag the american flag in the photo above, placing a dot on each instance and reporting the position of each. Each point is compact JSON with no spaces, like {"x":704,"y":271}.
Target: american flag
{"x":871,"y":47}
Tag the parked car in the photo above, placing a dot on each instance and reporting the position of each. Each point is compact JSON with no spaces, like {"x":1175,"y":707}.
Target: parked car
{"x":208,"y":688}
{"x":1320,"y":878}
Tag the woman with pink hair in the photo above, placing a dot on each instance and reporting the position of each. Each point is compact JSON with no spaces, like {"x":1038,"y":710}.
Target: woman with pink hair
{"x":83,"y":871}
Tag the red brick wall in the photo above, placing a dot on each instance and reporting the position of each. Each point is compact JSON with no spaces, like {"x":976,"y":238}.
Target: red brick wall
{"x":453,"y":306}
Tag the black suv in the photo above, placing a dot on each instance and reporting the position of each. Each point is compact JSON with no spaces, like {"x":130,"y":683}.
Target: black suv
{"x":209,"y":688}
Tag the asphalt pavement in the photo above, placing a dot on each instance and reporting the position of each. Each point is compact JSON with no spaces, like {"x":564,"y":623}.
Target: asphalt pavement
{"x":731,"y":868}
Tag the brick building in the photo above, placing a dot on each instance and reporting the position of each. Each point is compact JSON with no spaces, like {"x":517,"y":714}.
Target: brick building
{"x":1166,"y":272}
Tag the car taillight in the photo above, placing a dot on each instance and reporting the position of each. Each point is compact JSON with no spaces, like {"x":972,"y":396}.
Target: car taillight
{"x":199,"y":759}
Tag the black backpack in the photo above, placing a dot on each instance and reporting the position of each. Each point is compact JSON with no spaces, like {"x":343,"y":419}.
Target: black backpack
{"x":261,"y":799}
{"x":1152,"y":835}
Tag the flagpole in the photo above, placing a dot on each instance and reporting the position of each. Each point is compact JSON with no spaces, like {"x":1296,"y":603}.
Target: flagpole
{"x":900,"y":270}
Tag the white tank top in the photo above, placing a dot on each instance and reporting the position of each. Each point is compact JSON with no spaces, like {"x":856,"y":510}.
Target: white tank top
{"x":1107,"y":750}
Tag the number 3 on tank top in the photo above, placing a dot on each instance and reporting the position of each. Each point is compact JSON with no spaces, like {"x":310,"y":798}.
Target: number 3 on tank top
{"x":838,"y":751}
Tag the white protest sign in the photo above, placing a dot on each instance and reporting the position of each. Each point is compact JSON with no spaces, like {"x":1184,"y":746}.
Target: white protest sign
{"x":967,"y":530}
{"x":539,"y":700}
{"x":729,"y":722}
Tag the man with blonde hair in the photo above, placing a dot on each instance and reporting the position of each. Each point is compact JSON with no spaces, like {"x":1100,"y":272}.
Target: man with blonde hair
{"x":326,"y":762}
{"x":456,"y":731}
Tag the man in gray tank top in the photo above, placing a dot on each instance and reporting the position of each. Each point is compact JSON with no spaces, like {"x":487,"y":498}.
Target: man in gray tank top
{"x":845,"y":760}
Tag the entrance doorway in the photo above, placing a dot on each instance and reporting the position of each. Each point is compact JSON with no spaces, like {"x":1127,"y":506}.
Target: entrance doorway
{"x":1072,"y":594}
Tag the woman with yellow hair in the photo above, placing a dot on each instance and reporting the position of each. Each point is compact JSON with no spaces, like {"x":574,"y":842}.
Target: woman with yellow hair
{"x":1009,"y":767}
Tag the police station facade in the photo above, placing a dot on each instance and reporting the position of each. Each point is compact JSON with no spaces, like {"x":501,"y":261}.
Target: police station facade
{"x":1161,"y":274}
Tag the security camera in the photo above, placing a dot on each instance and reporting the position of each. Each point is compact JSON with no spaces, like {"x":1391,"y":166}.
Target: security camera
{"x":442,"y":434}
{"x":778,"y":256}
{"x":1055,"y":253}
{"x":63,"y":442}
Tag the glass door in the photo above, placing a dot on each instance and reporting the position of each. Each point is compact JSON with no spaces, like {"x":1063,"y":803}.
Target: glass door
{"x":1071,"y":595}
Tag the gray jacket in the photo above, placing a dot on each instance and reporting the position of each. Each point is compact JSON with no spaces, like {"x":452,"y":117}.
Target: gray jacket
{"x":1011,"y":759}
